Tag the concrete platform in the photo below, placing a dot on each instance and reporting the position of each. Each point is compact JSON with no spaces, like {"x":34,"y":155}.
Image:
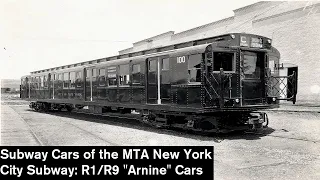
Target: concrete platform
{"x":14,"y":130}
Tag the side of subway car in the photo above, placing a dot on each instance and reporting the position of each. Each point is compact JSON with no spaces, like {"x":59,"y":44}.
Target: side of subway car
{"x":212,"y":85}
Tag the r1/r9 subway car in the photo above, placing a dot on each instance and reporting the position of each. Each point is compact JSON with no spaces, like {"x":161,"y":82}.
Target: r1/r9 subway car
{"x":209,"y":85}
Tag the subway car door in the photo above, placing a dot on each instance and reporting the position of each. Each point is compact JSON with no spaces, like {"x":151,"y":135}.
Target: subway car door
{"x":89,"y":78}
{"x":152,"y":80}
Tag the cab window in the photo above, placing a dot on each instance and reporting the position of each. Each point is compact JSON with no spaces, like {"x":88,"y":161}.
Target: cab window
{"x":224,"y":60}
{"x":194,"y":68}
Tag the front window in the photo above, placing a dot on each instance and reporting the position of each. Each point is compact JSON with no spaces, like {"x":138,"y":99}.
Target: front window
{"x":251,"y":67}
{"x":223,"y":60}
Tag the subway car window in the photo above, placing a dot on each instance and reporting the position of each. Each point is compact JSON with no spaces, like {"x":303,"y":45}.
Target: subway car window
{"x":72,"y":79}
{"x":45,"y":81}
{"x":94,"y":73}
{"x":251,"y":67}
{"x":65,"y":80}
{"x":272,"y":64}
{"x":79,"y":75}
{"x":223,"y":60}
{"x":124,"y":77}
{"x":136,"y":74}
{"x":60,"y":79}
{"x":152,"y":65}
{"x":194,"y":68}
{"x":36,"y":86}
{"x":165,"y":64}
{"x":102,"y":77}
{"x":112,"y":76}
{"x":79,"y":79}
{"x":41,"y":81}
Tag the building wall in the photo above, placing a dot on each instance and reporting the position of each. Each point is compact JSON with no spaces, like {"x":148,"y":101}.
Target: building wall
{"x":293,"y":26}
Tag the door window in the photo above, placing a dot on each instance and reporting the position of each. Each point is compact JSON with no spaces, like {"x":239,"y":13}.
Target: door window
{"x":251,"y":67}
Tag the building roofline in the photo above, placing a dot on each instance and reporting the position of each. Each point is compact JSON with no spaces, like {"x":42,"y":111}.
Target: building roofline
{"x":205,"y":25}
{"x":249,"y":6}
{"x":154,"y":37}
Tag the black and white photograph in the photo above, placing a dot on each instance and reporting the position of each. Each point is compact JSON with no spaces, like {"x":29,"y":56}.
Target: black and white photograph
{"x":238,"y":78}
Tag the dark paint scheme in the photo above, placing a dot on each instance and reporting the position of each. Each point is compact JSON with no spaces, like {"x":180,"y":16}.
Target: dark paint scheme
{"x":190,"y":76}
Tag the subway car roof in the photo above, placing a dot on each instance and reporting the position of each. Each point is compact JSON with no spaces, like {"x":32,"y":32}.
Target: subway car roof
{"x":192,"y":45}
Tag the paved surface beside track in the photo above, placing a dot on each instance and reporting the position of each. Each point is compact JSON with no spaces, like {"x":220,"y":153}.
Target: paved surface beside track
{"x":289,"y":149}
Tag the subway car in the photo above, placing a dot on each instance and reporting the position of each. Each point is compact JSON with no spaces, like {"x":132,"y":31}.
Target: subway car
{"x":217,"y":84}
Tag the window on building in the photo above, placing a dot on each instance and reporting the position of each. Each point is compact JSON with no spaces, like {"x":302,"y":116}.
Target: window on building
{"x":194,"y":68}
{"x":223,"y":60}
{"x":165,"y":64}
{"x":136,"y":73}
{"x":112,"y":76}
{"x":124,"y":77}
{"x":102,"y":77}
{"x":152,"y":65}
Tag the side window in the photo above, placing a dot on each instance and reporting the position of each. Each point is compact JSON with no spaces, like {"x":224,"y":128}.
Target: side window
{"x":79,"y":80}
{"x":223,"y":60}
{"x":194,"y":68}
{"x":94,"y":74}
{"x":112,"y":76}
{"x":45,"y":81}
{"x":38,"y":82}
{"x":124,"y":77}
{"x":152,"y":65}
{"x":273,"y":61}
{"x":165,"y":64}
{"x":72,"y":79}
{"x":60,"y":80}
{"x":102,"y":77}
{"x":66,"y":80}
{"x":36,"y":86}
{"x":88,"y":74}
{"x":41,"y":81}
{"x":136,"y":73}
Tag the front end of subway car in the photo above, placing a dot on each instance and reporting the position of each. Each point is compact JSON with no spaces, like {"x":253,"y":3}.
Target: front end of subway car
{"x":241,"y":76}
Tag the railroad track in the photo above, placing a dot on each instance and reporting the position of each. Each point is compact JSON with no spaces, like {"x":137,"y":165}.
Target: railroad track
{"x":137,"y":121}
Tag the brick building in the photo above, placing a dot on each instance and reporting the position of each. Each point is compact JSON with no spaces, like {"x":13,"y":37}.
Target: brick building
{"x":294,"y":27}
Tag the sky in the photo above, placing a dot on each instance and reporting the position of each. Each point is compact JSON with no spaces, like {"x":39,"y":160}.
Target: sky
{"x":38,"y":34}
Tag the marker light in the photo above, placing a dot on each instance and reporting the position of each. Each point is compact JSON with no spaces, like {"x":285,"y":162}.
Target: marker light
{"x":237,"y":100}
{"x":269,"y":41}
{"x":232,"y":36}
{"x":274,"y":99}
